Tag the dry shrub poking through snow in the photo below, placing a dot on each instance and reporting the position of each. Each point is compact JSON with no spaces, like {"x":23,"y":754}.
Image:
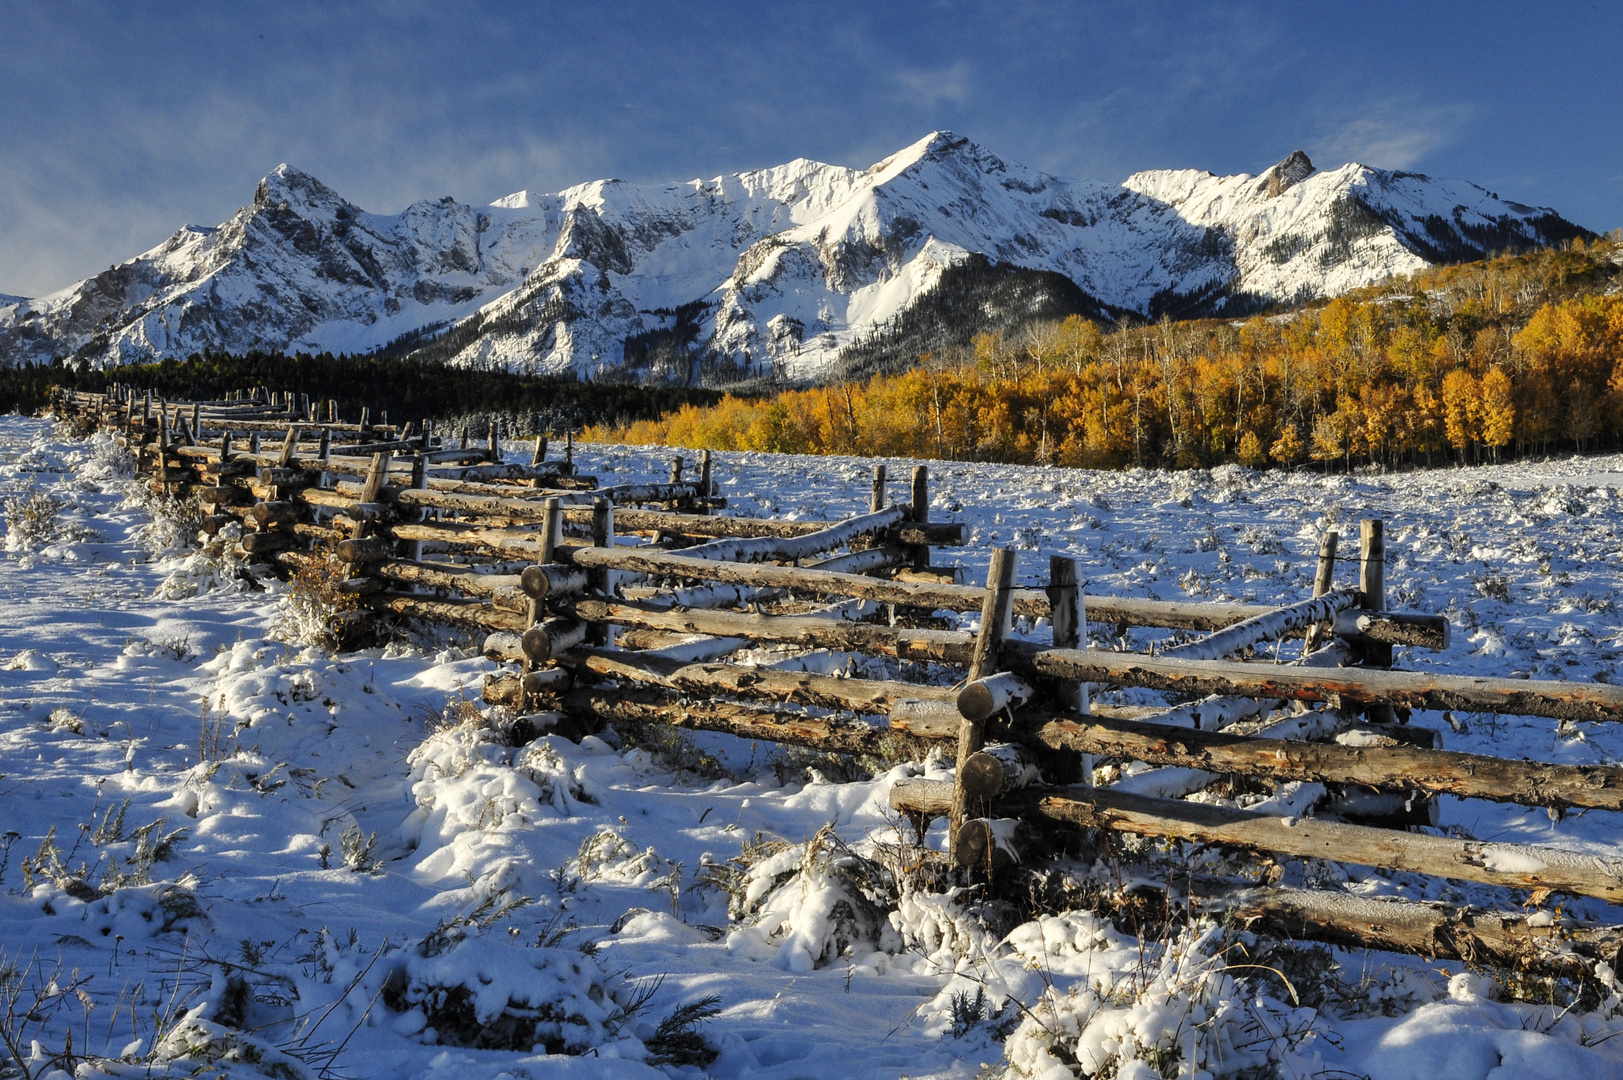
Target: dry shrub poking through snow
{"x":213,"y":1048}
{"x":32,"y":520}
{"x":315,"y":612}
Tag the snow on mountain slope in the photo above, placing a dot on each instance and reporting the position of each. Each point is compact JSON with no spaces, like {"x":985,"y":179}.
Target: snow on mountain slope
{"x":775,"y":269}
{"x":1297,"y":234}
{"x":298,"y":268}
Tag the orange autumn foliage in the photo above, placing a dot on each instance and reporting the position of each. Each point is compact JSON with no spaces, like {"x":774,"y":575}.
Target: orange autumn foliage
{"x":1456,"y":361}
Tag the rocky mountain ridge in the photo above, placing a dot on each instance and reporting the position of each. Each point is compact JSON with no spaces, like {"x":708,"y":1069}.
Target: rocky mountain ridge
{"x":774,"y":271}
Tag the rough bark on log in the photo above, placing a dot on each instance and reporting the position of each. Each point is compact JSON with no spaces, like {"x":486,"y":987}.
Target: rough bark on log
{"x":926,"y":718}
{"x":655,"y":705}
{"x":444,"y":576}
{"x":466,"y":612}
{"x":948,"y":646}
{"x":1469,"y":776}
{"x":295,"y":479}
{"x":803,"y":688}
{"x":1407,"y":689}
{"x":360,"y":550}
{"x":1473,"y":935}
{"x":307,"y":531}
{"x":760,"y":549}
{"x":262,"y":543}
{"x":1422,"y":631}
{"x":547,"y":580}
{"x":275,"y":513}
{"x":222,"y":494}
{"x":1520,"y":866}
{"x":1275,"y":624}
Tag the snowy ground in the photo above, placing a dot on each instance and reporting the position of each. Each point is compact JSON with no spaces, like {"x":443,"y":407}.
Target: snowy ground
{"x":274,"y":935}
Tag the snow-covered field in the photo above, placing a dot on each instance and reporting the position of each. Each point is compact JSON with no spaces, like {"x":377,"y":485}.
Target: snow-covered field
{"x":260,"y":858}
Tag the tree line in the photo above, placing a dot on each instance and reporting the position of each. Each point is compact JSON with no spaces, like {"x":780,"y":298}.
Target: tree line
{"x":403,"y":388}
{"x":1508,"y":356}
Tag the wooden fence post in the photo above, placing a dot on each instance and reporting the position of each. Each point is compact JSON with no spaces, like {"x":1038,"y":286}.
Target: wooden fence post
{"x":419,"y":482}
{"x":1372,"y":597}
{"x":878,"y":502}
{"x":602,"y":581}
{"x":1322,"y":581}
{"x":995,"y":613}
{"x":1069,"y":618}
{"x":921,"y":513}
{"x":706,"y":489}
{"x":494,"y":451}
{"x":552,"y":528}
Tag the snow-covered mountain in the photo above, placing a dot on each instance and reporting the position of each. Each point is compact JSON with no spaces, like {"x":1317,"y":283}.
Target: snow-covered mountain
{"x":778,"y":269}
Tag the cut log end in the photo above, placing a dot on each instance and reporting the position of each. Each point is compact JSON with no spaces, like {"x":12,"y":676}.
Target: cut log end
{"x":989,"y":845}
{"x":544,"y":642}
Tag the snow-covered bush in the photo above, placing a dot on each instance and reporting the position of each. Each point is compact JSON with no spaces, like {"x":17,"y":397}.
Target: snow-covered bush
{"x":818,"y":902}
{"x":1181,"y":1012}
{"x":462,"y":987}
{"x":495,"y":996}
{"x":466,"y":776}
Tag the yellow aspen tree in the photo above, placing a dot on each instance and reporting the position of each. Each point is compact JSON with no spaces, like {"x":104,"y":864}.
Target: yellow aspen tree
{"x":1329,"y":439}
{"x":1460,"y":409}
{"x":1498,"y":410}
{"x":1287,"y":449}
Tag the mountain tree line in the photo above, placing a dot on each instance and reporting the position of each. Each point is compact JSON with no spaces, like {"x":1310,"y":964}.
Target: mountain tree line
{"x":1514,"y":355}
{"x":404,"y":388}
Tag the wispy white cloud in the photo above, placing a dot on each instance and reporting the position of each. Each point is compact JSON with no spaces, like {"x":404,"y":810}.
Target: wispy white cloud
{"x":1393,"y":135}
{"x":929,"y":87}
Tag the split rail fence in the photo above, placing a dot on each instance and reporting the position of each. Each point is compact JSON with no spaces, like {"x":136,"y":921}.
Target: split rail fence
{"x":600,"y":630}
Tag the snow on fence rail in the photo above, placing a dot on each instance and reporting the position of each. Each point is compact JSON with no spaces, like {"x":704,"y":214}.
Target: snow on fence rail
{"x":532,"y":554}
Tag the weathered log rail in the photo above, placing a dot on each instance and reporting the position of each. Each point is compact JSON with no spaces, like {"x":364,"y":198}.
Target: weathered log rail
{"x":535,"y":555}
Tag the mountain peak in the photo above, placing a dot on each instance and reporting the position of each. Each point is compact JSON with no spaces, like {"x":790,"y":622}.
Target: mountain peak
{"x":294,"y":187}
{"x":1293,"y":170}
{"x":933,"y":147}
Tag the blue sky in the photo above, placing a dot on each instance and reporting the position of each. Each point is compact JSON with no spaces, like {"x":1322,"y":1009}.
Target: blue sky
{"x":121,"y":121}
